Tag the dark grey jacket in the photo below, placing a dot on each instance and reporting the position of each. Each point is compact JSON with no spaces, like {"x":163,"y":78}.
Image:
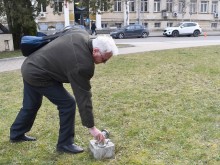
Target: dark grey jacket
{"x":67,"y":59}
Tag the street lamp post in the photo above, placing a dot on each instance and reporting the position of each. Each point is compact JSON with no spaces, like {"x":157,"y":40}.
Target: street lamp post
{"x":98,"y":19}
{"x":66,"y":13}
{"x":138,"y":11}
{"x":126,"y":12}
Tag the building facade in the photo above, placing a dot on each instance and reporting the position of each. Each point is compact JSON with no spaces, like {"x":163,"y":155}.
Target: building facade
{"x":155,"y":14}
{"x":6,"y":40}
{"x":51,"y":17}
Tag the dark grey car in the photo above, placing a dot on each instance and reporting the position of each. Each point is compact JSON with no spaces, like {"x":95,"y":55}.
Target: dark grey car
{"x":130,"y":31}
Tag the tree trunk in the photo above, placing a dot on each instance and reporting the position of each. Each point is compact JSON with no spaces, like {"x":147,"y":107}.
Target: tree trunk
{"x":20,"y":19}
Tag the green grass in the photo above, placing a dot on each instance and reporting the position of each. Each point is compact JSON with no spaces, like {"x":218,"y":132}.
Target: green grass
{"x":9,"y":54}
{"x":161,"y":108}
{"x":17,"y":53}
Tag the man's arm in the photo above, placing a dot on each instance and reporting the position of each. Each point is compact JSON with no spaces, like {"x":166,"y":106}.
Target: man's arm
{"x":81,"y":89}
{"x":84,"y":102}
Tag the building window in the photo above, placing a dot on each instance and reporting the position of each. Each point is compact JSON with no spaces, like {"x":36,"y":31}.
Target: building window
{"x":104,"y":25}
{"x":182,"y":6}
{"x":204,"y":7}
{"x":146,"y":24}
{"x":214,"y":25}
{"x":43,"y":26}
{"x":42,"y":6}
{"x":192,"y":6}
{"x":169,"y":5}
{"x":118,"y":25}
{"x":103,"y":5}
{"x":156,"y":25}
{"x":58,"y":6}
{"x":156,"y":5}
{"x":144,"y":5}
{"x":6,"y":44}
{"x":59,"y":26}
{"x":131,"y":5}
{"x":214,"y":6}
{"x":117,"y":5}
{"x":169,"y":24}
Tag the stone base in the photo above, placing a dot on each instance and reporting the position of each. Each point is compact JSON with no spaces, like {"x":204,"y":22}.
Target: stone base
{"x":102,"y":152}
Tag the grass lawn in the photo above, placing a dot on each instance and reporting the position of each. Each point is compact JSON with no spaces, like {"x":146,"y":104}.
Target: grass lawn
{"x":17,"y":53}
{"x":10,"y":54}
{"x":161,"y":108}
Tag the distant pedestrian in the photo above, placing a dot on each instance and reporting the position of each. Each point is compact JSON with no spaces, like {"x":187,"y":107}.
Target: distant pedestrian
{"x":93,"y":28}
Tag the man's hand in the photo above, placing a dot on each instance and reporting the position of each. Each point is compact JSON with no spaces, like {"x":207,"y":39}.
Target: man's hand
{"x":97,"y":134}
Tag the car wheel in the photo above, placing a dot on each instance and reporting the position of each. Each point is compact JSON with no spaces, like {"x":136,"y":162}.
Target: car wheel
{"x":175,"y":33}
{"x":121,"y":36}
{"x":196,"y":33}
{"x":144,"y":35}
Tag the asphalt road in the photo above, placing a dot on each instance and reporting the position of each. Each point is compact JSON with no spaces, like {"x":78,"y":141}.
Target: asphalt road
{"x":168,"y":39}
{"x":161,"y":43}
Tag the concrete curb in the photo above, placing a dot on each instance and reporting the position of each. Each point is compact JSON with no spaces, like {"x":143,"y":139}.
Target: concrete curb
{"x":208,"y":33}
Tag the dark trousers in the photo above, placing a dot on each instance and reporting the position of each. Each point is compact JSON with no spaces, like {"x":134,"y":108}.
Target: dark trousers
{"x":93,"y":32}
{"x":32,"y":100}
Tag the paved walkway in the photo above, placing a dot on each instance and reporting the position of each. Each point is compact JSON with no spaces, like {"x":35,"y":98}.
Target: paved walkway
{"x":151,"y":46}
{"x":10,"y":64}
{"x":15,"y":63}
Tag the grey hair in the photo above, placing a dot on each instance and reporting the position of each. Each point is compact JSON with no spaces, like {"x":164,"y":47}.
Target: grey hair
{"x":105,"y":44}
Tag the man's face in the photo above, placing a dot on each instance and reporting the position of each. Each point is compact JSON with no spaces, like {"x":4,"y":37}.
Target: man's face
{"x":99,"y":57}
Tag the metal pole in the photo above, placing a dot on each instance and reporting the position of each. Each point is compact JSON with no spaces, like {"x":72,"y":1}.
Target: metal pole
{"x":66,"y":13}
{"x":126,"y":12}
{"x":139,"y":11}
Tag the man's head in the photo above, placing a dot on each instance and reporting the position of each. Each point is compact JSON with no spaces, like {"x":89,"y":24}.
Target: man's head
{"x":103,"y":49}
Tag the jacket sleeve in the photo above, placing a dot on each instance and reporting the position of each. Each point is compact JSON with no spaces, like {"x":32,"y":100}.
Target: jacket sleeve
{"x":82,"y":92}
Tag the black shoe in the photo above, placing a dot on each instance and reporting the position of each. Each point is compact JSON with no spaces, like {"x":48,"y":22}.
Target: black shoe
{"x":72,"y":148}
{"x":23,"y":138}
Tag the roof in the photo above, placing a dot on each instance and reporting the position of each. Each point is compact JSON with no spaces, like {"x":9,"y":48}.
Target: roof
{"x":3,"y":29}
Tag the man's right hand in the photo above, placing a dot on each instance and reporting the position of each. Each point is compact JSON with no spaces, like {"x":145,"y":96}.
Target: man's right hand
{"x":97,"y":134}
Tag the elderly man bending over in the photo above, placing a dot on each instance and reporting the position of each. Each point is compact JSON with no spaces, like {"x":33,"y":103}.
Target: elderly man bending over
{"x":67,"y":59}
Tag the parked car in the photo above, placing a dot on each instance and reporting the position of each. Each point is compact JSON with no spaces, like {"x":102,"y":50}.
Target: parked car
{"x":71,"y":27}
{"x":130,"y":31}
{"x":183,"y":28}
